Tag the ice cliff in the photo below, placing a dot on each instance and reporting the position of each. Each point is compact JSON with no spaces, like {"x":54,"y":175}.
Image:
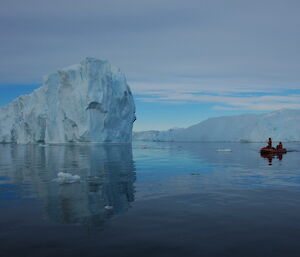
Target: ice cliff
{"x":88,"y":102}
{"x":282,"y":125}
{"x":156,"y":136}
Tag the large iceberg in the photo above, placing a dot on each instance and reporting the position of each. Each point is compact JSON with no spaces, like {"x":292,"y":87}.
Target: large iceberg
{"x":281,"y":125}
{"x":157,"y":136}
{"x":88,"y":102}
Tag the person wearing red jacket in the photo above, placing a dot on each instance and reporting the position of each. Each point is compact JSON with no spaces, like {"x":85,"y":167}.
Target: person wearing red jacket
{"x":270,"y":143}
{"x":279,"y":146}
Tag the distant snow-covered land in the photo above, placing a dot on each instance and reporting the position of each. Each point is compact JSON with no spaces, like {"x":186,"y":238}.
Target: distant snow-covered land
{"x":281,"y":125}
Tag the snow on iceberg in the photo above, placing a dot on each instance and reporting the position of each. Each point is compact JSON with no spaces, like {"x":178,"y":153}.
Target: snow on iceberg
{"x":282,"y":125}
{"x":89,"y":102}
{"x":66,"y":178}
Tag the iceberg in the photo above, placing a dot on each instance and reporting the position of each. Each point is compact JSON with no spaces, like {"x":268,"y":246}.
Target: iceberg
{"x":157,"y":136}
{"x":88,"y":102}
{"x":282,"y":125}
{"x":224,"y":150}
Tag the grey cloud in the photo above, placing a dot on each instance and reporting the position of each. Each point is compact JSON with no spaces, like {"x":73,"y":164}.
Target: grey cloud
{"x":221,"y":43}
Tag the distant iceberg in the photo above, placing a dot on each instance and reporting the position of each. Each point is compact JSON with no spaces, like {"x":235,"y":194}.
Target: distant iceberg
{"x":88,"y":102}
{"x":281,"y":125}
{"x":224,"y":150}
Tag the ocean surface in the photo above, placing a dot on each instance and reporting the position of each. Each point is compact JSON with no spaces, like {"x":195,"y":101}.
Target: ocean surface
{"x":149,"y":199}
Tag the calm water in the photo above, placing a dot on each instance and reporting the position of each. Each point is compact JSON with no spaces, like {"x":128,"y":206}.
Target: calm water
{"x":169,"y":199}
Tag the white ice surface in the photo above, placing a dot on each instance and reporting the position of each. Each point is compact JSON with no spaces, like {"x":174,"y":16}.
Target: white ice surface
{"x":282,"y":125}
{"x":66,"y":178}
{"x":89,"y":102}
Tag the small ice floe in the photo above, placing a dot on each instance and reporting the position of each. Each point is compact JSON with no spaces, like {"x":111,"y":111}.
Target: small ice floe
{"x":108,"y":207}
{"x":66,"y":178}
{"x":224,"y":150}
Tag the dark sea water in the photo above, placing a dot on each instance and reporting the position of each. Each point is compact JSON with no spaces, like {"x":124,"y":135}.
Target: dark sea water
{"x":151,"y":199}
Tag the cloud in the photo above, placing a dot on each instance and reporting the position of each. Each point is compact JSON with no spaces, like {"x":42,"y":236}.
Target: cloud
{"x":222,"y":44}
{"x":226,"y":100}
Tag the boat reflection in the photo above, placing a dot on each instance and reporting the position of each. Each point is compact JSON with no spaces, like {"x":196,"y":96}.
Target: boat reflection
{"x":270,"y":156}
{"x":106,"y":187}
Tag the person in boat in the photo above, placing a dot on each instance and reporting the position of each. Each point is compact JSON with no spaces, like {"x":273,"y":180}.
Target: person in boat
{"x":270,"y":143}
{"x":279,"y":146}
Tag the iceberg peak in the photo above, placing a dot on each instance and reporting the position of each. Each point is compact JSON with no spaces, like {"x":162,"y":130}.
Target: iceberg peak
{"x":86,"y":102}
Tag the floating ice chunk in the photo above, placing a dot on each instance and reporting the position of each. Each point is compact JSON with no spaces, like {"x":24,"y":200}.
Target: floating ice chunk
{"x":224,"y":150}
{"x":108,"y":207}
{"x":66,"y":178}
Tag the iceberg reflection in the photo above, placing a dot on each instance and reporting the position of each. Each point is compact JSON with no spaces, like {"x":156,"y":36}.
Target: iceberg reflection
{"x":106,"y":187}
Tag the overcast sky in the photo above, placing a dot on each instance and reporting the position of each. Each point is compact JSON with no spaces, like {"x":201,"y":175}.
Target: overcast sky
{"x":200,"y":58}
